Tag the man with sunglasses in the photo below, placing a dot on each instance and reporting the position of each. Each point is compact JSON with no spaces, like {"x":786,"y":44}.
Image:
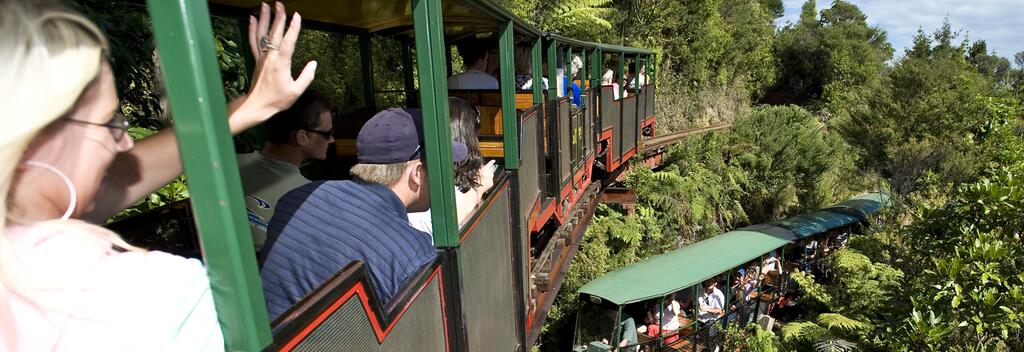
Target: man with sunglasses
{"x":299,"y":134}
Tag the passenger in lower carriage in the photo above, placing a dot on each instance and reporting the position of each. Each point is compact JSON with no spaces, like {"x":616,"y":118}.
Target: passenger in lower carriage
{"x":473,"y":178}
{"x":627,"y":332}
{"x":321,"y":227}
{"x":294,"y":136}
{"x":67,"y":284}
{"x":712,"y":306}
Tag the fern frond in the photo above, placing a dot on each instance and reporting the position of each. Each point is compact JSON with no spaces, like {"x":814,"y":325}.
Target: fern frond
{"x":834,"y":345}
{"x":802,"y":331}
{"x":840,"y":322}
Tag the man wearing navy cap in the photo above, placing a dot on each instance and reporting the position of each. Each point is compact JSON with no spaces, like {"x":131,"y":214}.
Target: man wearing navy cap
{"x":321,"y":227}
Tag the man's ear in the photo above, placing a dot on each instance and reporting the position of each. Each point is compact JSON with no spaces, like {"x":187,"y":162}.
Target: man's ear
{"x":301,"y":137}
{"x":417,"y":176}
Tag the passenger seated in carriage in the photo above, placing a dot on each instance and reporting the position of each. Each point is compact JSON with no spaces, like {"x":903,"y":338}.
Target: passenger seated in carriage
{"x":473,"y":178}
{"x":524,"y":68}
{"x":323,"y":226}
{"x":476,"y":56}
{"x":608,"y":79}
{"x":299,"y":134}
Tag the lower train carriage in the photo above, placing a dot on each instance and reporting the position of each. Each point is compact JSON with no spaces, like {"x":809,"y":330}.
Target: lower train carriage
{"x":496,"y":276}
{"x":742,"y":273}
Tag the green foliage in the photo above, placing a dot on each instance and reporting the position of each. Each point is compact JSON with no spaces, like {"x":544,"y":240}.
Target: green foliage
{"x":822,"y":60}
{"x":806,"y":332}
{"x":932,"y":116}
{"x":862,"y":286}
{"x":752,"y":338}
{"x":788,"y":157}
{"x":811,"y":290}
{"x":829,"y":333}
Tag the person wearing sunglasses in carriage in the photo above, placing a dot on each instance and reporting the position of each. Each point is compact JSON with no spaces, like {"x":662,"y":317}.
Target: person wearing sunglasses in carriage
{"x":65,"y":160}
{"x":299,"y":134}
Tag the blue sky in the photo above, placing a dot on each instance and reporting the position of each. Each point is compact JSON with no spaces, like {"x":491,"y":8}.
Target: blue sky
{"x":999,"y":22}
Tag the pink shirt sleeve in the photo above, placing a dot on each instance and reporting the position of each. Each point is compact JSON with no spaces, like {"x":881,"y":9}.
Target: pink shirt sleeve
{"x":87,"y":297}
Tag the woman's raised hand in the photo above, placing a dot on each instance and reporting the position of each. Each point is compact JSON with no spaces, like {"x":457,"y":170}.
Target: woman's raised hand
{"x":273,"y":89}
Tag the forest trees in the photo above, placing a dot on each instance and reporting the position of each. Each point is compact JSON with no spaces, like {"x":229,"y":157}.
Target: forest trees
{"x":930,"y":117}
{"x":829,"y":59}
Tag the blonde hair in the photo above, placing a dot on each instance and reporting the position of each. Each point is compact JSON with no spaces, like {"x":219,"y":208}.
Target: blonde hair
{"x":49,"y":55}
{"x":383,"y":174}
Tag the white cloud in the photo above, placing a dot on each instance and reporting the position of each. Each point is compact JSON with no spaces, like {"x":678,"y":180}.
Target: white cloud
{"x":998,"y":22}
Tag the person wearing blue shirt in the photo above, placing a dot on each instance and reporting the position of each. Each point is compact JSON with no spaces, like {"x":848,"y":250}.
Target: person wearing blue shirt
{"x":575,"y":65}
{"x":321,"y":227}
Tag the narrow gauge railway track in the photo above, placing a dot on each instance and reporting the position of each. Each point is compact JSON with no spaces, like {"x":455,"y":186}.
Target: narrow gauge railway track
{"x":659,"y":142}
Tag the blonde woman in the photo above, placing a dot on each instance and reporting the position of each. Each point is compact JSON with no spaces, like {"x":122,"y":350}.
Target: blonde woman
{"x":66,"y":284}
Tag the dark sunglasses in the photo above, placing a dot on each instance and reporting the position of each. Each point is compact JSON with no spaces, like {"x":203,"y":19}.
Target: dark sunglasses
{"x":118,"y":125}
{"x":326,"y":134}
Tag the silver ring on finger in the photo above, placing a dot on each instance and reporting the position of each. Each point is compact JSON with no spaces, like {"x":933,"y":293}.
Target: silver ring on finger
{"x":265,"y":44}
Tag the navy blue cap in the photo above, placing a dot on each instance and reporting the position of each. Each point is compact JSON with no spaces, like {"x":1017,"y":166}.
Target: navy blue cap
{"x":395,"y":136}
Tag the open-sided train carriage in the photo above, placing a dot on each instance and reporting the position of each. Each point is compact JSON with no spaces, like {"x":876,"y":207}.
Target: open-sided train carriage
{"x":495,"y":276}
{"x":613,"y":311}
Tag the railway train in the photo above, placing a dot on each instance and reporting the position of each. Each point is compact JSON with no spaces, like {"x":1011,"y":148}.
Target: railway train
{"x":494,"y":278}
{"x":799,"y":242}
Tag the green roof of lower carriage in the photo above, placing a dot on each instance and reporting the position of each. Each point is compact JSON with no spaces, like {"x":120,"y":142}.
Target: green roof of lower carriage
{"x":838,"y":215}
{"x":867,"y":204}
{"x":816,"y":222}
{"x":693,"y":264}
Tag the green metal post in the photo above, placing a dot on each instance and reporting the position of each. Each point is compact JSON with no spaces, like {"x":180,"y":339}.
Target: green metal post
{"x":696,"y":316}
{"x":728,"y":293}
{"x":409,"y":75}
{"x":366,"y":59}
{"x":596,"y":66}
{"x":430,"y":60}
{"x":509,"y":119}
{"x":538,"y":74}
{"x":185,"y":42}
{"x":584,"y":73}
{"x":622,"y":75}
{"x":552,"y":52}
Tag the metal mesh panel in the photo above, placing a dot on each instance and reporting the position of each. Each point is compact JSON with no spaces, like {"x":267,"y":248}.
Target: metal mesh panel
{"x":709,"y":336}
{"x":486,"y":274}
{"x":650,"y":100}
{"x":629,"y":124}
{"x":563,"y":141}
{"x":529,"y":182}
{"x":422,"y":326}
{"x":348,"y":329}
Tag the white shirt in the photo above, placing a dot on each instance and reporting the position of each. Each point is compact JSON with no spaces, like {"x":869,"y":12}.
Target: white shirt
{"x":472,"y":79}
{"x":560,"y":85}
{"x":423,"y":222}
{"x":715,"y":300}
{"x":668,"y":317}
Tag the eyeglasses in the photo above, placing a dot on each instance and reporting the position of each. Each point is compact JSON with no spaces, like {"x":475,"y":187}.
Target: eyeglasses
{"x":326,"y":134}
{"x":118,"y":125}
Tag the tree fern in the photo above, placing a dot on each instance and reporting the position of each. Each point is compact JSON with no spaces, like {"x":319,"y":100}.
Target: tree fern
{"x":833,"y":321}
{"x":834,"y":345}
{"x":802,"y":332}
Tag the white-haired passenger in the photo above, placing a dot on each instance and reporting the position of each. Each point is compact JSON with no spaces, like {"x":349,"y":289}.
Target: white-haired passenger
{"x":66,"y":159}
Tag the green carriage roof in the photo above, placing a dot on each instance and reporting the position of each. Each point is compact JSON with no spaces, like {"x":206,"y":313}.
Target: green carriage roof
{"x":682,"y":268}
{"x":690,"y":265}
